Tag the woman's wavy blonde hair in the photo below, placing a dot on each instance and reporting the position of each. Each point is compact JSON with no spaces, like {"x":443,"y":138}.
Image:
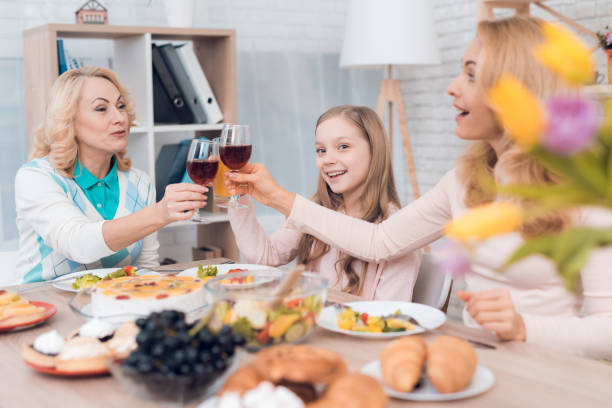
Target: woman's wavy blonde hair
{"x":507,"y":48}
{"x":379,"y":190}
{"x":55,"y":137}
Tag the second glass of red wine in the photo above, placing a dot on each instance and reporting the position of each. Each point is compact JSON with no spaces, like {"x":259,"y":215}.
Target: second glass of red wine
{"x":202,"y":165}
{"x":235,"y":152}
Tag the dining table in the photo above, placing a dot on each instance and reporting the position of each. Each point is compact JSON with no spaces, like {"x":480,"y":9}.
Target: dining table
{"x":526,"y":375}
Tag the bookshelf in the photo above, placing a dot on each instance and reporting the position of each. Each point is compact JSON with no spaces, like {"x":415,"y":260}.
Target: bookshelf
{"x":215,"y":50}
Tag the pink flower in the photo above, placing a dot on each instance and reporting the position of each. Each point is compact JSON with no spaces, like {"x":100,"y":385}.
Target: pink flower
{"x":572,"y":124}
{"x":608,"y":38}
{"x":453,"y":258}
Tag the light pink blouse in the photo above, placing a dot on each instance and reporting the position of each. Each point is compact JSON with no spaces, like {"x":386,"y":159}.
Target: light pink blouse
{"x":580,"y":323}
{"x":388,"y":280}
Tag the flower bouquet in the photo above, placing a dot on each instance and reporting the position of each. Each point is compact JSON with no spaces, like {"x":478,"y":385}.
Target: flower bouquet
{"x":569,"y":134}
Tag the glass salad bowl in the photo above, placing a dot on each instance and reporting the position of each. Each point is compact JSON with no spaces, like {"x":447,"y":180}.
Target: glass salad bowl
{"x":244,"y":301}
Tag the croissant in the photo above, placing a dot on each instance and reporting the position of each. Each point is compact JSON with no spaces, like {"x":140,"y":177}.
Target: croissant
{"x":451,"y":363}
{"x":401,"y":362}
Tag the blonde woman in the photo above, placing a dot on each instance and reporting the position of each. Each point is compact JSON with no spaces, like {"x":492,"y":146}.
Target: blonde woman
{"x":528,"y":302}
{"x":80,"y":204}
{"x":355,"y":178}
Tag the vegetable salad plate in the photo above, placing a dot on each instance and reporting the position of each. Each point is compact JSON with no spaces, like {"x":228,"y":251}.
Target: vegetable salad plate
{"x":380,"y":319}
{"x":65,"y":282}
{"x":425,"y":391}
{"x":207,"y":272}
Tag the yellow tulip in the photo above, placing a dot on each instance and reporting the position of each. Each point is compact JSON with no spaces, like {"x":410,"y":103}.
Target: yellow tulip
{"x":485,"y":221}
{"x":518,"y":110}
{"x":565,"y":54}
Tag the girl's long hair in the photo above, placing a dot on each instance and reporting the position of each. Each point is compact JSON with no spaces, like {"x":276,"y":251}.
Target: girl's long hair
{"x":55,"y":137}
{"x":379,"y":191}
{"x":507,"y":48}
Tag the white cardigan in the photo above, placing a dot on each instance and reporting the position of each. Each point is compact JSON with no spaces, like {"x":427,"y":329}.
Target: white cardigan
{"x":60,"y":231}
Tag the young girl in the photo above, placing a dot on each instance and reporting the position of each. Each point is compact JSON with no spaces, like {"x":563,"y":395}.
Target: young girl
{"x":355,"y":178}
{"x":528,"y":302}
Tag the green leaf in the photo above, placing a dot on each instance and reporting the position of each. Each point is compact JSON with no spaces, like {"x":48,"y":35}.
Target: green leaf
{"x":569,"y":250}
{"x":539,"y":245}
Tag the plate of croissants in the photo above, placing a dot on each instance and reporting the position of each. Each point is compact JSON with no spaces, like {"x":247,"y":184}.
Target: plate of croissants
{"x":445,"y":369}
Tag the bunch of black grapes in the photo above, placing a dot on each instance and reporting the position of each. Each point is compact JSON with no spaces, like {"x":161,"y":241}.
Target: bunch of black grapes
{"x":168,"y":354}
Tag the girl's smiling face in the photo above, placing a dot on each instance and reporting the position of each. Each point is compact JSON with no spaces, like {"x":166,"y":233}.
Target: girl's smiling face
{"x":475,"y":121}
{"x":343,"y":156}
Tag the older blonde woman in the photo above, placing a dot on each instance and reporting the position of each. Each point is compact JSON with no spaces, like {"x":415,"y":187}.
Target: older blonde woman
{"x":528,"y":302}
{"x":80,"y":204}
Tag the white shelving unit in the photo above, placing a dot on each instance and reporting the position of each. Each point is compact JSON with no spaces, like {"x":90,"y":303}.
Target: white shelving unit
{"x":131,"y":49}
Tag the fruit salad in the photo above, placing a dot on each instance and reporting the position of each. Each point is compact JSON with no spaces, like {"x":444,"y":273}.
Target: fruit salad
{"x":363,"y":322}
{"x":262,"y":326}
{"x":88,"y":280}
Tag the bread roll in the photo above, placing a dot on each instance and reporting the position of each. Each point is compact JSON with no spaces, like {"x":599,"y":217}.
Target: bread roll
{"x":451,"y":363}
{"x":401,"y":362}
{"x":353,"y":391}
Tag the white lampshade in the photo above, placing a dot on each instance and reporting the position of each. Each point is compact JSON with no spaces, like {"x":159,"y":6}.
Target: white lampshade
{"x":389,"y":32}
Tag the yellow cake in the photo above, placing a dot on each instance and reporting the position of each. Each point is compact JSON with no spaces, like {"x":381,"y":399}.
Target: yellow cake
{"x":142,"y":295}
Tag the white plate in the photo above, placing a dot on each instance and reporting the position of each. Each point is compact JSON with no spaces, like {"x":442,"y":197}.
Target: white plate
{"x":428,"y":316}
{"x":64,"y":282}
{"x":483,"y":380}
{"x":223,"y":269}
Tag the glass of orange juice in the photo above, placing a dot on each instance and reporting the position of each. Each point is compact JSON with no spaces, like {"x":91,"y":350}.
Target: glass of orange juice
{"x":221,"y":193}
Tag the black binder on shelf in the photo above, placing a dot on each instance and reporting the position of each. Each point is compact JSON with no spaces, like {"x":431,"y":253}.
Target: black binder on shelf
{"x":168,"y":102}
{"x":175,"y":66}
{"x":170,"y":166}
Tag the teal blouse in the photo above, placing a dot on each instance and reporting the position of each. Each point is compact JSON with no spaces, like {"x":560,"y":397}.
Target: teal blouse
{"x":103,"y":194}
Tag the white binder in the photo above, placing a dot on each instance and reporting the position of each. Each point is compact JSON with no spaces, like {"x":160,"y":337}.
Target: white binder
{"x":200,"y":83}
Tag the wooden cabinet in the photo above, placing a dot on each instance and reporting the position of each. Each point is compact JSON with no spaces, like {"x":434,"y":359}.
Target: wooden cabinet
{"x":131,"y":45}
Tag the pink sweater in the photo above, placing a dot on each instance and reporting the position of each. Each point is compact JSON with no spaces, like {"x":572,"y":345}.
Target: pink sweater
{"x":579,"y":323}
{"x":388,"y":280}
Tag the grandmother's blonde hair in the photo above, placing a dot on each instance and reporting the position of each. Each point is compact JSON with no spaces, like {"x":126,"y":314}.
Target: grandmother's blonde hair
{"x":55,"y":137}
{"x":507,"y":47}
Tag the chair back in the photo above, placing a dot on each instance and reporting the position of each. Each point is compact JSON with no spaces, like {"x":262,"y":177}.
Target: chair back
{"x":433,"y":285}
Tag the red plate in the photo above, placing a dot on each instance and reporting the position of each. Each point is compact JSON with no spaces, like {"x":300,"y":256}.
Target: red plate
{"x":55,"y":371}
{"x":49,"y":311}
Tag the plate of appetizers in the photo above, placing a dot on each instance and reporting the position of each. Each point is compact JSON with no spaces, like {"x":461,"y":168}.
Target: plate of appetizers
{"x":84,"y":352}
{"x":211,"y":271}
{"x":77,"y":281}
{"x":380,"y":319}
{"x":18,"y":313}
{"x":54,"y":371}
{"x":424,"y":390}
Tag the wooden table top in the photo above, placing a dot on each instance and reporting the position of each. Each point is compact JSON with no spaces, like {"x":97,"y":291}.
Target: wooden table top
{"x":525,"y":375}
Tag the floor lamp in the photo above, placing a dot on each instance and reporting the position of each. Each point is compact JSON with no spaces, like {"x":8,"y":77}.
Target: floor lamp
{"x":384,"y":34}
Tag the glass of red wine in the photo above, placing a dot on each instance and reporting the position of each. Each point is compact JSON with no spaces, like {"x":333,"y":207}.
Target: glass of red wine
{"x":235,"y":152}
{"x":202,"y":165}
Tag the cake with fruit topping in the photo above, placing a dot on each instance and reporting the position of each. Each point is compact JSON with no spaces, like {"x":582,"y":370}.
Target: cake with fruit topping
{"x":141,"y":295}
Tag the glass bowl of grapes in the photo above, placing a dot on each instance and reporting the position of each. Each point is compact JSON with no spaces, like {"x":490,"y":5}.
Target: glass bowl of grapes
{"x":247,"y":303}
{"x":178,"y":361}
